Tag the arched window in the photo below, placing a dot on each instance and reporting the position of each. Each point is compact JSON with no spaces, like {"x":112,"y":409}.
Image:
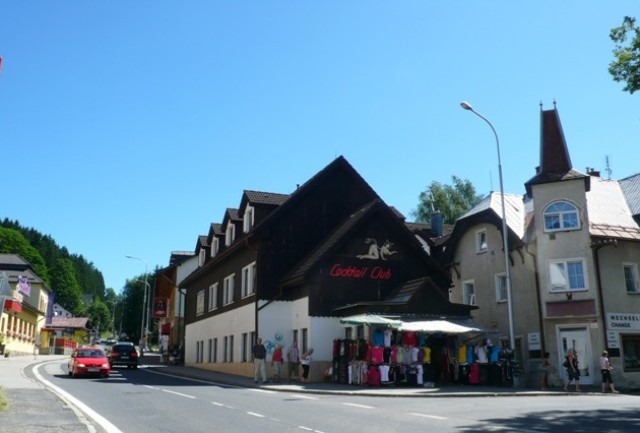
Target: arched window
{"x":561,"y":215}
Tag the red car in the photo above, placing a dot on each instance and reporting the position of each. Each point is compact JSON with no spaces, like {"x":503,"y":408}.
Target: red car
{"x":89,"y":360}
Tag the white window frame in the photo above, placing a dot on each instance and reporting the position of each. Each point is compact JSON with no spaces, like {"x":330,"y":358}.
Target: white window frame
{"x":213,"y":296}
{"x":501,"y":287}
{"x":200,"y":302}
{"x":201,"y":256}
{"x":469,"y":292}
{"x":230,"y":234}
{"x":481,"y":241}
{"x":561,"y":216}
{"x":227,"y":295}
{"x":559,"y":278}
{"x":248,"y":219}
{"x":632,"y":269}
{"x":215,"y":246}
{"x":249,"y":280}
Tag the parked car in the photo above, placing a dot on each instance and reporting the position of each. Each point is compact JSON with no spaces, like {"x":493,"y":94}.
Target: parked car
{"x":124,"y":353}
{"x":88,"y":360}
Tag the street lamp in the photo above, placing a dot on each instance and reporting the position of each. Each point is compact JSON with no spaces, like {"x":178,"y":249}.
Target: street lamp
{"x":143,"y":335}
{"x":113,"y":319}
{"x":467,"y":106}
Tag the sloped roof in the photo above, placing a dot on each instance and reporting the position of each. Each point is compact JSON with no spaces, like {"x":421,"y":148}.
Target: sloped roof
{"x":261,"y":197}
{"x":555,"y":163}
{"x":609,"y":214}
{"x":513,"y":207}
{"x":631,"y":189}
{"x":69,"y":322}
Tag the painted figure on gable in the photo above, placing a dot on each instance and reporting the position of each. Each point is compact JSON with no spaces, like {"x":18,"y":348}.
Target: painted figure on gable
{"x":376,"y":252}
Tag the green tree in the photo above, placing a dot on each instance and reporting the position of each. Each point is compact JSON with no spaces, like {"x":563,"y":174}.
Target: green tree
{"x":66,"y":287}
{"x":13,"y":242}
{"x":99,"y":316}
{"x":451,"y":200}
{"x":626,"y":65}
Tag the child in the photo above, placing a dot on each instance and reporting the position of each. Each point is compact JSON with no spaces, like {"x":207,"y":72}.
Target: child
{"x":277,"y":362}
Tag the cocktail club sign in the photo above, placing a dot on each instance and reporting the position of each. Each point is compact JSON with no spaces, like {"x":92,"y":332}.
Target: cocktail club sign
{"x":375,"y":253}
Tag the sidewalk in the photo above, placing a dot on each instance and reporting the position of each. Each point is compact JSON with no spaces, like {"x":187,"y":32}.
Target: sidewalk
{"x":34,"y":409}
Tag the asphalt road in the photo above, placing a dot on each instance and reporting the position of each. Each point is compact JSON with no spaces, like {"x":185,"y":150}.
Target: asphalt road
{"x":144,"y":401}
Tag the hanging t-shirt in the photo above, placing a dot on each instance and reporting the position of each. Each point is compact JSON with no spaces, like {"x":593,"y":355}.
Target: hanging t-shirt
{"x":388,"y":333}
{"x":378,"y":337}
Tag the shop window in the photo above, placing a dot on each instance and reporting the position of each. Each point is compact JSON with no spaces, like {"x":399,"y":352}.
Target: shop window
{"x":631,"y":352}
{"x":561,"y":215}
{"x":631,"y":277}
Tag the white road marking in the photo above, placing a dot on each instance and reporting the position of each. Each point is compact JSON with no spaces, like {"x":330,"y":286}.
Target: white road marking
{"x":78,"y":407}
{"x":308,"y":397}
{"x":265,"y":391}
{"x":222,"y":405}
{"x":424,"y":415}
{"x":178,"y":393}
{"x":255,"y":414}
{"x":363,"y":406}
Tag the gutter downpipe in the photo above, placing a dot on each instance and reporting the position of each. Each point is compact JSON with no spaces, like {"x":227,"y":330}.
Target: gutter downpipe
{"x":543,"y":345}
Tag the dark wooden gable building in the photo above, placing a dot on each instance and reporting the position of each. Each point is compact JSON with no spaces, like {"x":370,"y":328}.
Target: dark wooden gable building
{"x":292,"y":265}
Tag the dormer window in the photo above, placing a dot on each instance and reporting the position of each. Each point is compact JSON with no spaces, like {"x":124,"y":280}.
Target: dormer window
{"x":230,"y":234}
{"x":561,"y":215}
{"x":248,"y":219}
{"x":201,"y":256}
{"x":215,"y":246}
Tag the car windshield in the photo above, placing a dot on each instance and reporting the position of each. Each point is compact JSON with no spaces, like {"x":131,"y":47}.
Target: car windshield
{"x":90,"y":353}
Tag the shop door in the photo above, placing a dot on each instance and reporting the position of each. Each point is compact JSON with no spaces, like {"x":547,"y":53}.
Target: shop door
{"x":578,"y":339}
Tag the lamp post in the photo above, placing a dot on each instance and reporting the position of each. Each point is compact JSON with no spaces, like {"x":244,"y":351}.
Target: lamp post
{"x":467,"y":106}
{"x":113,"y":318}
{"x":143,"y":335}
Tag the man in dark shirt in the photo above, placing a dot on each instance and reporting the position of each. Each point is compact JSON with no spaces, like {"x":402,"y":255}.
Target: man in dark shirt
{"x":259,"y":355}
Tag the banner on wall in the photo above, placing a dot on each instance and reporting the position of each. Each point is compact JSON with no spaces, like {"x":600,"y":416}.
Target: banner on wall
{"x":160,"y":307}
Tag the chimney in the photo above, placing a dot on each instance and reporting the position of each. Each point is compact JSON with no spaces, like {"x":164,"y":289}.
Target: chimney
{"x":436,"y":224}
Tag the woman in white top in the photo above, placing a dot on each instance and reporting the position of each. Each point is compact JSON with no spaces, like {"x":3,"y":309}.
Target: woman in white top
{"x":305,"y":361}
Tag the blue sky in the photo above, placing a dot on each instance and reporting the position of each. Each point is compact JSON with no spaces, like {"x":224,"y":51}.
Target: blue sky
{"x":129,"y":127}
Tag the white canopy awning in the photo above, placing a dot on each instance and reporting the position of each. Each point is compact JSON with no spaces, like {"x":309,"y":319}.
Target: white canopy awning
{"x":443,"y":326}
{"x":370,"y":319}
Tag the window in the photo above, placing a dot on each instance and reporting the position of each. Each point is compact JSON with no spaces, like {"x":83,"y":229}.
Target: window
{"x":245,"y":347}
{"x":248,"y":219}
{"x":201,"y":256}
{"x":501,"y":287}
{"x":213,"y":296}
{"x":230,"y":234}
{"x":200,"y":303}
{"x":249,"y":280}
{"x":226,"y":350}
{"x":210,"y":351}
{"x":305,"y":338}
{"x":631,"y":352}
{"x":215,"y":350}
{"x":230,"y":348}
{"x":468,"y":293}
{"x":561,"y":215}
{"x":215,"y":246}
{"x":227,"y":296}
{"x":481,"y":241}
{"x":631,"y":277}
{"x":567,"y":275}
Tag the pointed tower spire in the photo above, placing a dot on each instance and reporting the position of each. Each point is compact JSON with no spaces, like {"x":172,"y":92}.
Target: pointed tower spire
{"x":555,"y":162}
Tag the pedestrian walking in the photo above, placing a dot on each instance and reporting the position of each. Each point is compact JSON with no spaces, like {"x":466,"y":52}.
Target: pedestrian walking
{"x":605,"y":370}
{"x":573,"y":373}
{"x":259,"y":353}
{"x":293,"y":362}
{"x":544,"y":369}
{"x":277,"y":361}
